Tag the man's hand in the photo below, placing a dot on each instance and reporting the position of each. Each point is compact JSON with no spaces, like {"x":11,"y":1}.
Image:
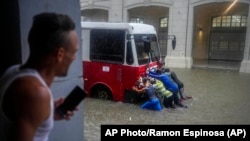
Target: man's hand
{"x":147,"y":71}
{"x":69,"y":113}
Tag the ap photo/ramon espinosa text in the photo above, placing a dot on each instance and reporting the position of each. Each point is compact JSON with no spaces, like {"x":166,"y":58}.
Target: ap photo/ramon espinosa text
{"x":232,"y":132}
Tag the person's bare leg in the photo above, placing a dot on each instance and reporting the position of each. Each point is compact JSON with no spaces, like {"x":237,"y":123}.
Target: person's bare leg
{"x":182,"y":95}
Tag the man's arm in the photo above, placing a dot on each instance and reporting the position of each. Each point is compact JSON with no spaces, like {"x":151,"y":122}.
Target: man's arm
{"x":142,"y":90}
{"x":31,"y":106}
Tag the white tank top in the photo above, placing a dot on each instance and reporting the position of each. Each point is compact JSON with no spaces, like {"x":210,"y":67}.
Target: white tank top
{"x":6,"y":80}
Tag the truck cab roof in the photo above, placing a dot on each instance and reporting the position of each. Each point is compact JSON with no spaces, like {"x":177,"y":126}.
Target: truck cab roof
{"x":133,"y":28}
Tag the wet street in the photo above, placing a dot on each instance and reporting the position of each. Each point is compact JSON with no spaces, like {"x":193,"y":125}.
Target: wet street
{"x":219,"y":97}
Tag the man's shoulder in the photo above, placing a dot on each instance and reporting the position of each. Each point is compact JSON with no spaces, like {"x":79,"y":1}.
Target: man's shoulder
{"x":28,"y":82}
{"x":29,"y":86}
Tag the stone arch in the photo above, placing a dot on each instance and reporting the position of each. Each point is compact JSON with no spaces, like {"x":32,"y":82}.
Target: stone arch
{"x":94,"y":11}
{"x":151,"y":13}
{"x":94,"y":15}
{"x":194,"y":26}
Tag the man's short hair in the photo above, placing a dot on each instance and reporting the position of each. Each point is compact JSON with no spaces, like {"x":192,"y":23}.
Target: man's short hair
{"x":165,"y":69}
{"x":48,"y":32}
{"x":145,"y":79}
{"x":159,"y":71}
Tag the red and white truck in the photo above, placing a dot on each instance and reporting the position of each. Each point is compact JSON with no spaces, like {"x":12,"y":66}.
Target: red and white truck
{"x":115,"y":55}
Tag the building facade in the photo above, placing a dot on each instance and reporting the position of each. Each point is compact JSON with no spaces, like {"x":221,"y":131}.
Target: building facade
{"x":204,"y":29}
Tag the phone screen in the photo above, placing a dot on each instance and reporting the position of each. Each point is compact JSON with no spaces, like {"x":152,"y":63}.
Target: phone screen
{"x":71,"y":101}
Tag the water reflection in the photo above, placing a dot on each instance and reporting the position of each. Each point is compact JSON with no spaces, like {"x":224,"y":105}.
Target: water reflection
{"x":220,"y":97}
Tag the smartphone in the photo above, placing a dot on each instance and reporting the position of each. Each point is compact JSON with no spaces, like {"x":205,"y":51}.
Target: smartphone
{"x":73,"y":99}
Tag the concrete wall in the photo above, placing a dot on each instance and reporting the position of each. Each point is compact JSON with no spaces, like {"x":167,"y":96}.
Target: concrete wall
{"x":64,"y":130}
{"x":245,"y":64}
{"x":10,"y":35}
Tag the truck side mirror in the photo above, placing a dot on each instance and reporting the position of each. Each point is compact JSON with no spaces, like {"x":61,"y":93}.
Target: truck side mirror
{"x":173,"y":42}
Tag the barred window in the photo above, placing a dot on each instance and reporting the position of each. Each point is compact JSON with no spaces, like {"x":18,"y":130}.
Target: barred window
{"x":229,"y":21}
{"x":164,"y":22}
{"x":136,"y":20}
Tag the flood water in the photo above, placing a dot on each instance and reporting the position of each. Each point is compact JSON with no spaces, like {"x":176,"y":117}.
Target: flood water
{"x":219,"y":97}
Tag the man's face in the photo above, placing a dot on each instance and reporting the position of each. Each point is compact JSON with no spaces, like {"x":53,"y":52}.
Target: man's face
{"x":69,"y":54}
{"x":139,"y":81}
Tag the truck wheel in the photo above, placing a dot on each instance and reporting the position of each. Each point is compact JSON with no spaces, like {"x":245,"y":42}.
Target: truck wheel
{"x":101,"y":92}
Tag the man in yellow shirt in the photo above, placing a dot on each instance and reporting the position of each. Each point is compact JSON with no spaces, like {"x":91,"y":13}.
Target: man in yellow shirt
{"x":168,"y":99}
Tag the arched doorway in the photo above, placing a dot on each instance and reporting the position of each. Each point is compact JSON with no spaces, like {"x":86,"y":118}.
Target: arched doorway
{"x":219,"y":34}
{"x":158,"y":16}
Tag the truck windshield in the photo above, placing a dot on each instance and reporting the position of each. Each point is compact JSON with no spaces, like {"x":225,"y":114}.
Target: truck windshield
{"x":143,"y":57}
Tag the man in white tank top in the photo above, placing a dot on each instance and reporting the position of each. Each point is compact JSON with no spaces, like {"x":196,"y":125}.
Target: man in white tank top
{"x":26,"y":102}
